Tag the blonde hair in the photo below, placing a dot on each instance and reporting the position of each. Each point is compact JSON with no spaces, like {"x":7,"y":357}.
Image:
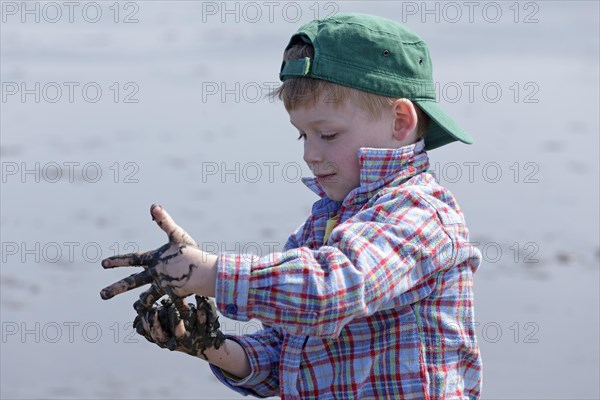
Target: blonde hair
{"x":296,"y":92}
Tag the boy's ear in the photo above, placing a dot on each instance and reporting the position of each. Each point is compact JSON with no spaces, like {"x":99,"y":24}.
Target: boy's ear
{"x":405,"y":119}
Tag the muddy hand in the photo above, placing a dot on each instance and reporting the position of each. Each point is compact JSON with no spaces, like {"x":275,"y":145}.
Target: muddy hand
{"x":160,"y":325}
{"x":172,"y":267}
{"x":193,"y":335}
{"x":147,"y":322}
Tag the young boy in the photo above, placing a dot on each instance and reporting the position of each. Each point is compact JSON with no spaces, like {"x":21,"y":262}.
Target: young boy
{"x":372,"y":297}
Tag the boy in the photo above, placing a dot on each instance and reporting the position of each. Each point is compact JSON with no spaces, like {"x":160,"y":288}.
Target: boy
{"x":372,"y":296}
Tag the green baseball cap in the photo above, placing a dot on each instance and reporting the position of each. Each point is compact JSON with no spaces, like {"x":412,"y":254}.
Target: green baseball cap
{"x":375,"y":55}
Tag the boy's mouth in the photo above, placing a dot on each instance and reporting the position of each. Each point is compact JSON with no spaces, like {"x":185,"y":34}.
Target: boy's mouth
{"x":324,"y":178}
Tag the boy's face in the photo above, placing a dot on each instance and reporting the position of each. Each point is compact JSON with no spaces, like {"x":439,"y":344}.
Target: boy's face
{"x":333,"y":134}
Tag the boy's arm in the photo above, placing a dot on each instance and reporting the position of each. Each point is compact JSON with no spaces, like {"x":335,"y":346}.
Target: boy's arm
{"x":179,"y":269}
{"x":249,"y":365}
{"x":263,"y":351}
{"x":191,"y":329}
{"x":230,"y":357}
{"x":389,"y":255}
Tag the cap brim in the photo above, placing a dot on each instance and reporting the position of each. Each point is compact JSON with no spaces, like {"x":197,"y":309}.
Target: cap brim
{"x":442,"y":129}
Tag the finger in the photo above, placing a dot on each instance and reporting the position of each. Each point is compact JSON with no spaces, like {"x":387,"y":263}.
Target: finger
{"x":176,"y":324}
{"x":183,"y":312}
{"x":128,"y":260}
{"x":170,"y":318}
{"x":137,"y":323}
{"x":181,"y":306}
{"x":145,"y":324}
{"x":167,"y":315}
{"x":206,"y":303}
{"x":141,"y":327}
{"x":150,"y":296}
{"x":171,"y":324}
{"x":176,"y":233}
{"x":201,"y":310}
{"x":156,"y":331}
{"x":126,"y":284}
{"x":180,"y":330}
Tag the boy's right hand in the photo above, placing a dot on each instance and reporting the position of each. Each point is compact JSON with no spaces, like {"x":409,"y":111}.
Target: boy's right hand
{"x":193,"y":332}
{"x":178,"y":268}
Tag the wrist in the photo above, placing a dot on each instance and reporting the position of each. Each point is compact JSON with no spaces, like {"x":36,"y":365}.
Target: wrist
{"x":207,"y":275}
{"x":231,"y":358}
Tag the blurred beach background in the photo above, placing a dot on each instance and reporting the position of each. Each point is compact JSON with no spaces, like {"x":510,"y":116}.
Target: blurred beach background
{"x":108,"y":107}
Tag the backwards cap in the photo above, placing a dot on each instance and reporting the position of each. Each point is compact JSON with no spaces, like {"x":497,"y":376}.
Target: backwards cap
{"x":375,"y":55}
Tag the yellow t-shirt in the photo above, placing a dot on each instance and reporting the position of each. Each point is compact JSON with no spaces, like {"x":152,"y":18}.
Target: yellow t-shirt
{"x":331,"y":223}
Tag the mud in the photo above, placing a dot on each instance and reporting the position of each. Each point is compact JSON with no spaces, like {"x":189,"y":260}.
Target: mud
{"x":177,"y":326}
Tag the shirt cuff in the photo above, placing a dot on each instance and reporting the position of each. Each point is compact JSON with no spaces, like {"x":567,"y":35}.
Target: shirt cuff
{"x":232,"y":286}
{"x":242,"y":386}
{"x":232,"y":384}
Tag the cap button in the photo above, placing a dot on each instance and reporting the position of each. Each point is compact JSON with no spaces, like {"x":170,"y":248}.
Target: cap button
{"x":386,"y":53}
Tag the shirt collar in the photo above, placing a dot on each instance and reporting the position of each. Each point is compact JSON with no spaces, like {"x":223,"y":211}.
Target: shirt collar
{"x":378,"y":167}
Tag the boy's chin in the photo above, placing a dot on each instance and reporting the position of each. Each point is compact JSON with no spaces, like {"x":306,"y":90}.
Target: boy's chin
{"x":336,"y":195}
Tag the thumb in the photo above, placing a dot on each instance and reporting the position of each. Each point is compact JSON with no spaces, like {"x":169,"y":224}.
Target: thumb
{"x":176,"y":234}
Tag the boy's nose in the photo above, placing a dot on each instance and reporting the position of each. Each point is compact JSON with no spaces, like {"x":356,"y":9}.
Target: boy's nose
{"x":312,"y":154}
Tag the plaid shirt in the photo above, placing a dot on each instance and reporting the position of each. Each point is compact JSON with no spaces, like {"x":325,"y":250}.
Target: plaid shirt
{"x":383,"y":309}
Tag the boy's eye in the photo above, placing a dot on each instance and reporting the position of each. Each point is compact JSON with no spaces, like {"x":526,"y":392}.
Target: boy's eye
{"x":301,"y":135}
{"x":329,"y":136}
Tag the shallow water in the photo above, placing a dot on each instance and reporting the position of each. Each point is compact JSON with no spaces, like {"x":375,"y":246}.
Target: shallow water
{"x":186,"y":125}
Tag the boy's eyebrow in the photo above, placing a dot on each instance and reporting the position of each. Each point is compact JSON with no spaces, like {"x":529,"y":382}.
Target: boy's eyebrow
{"x":316,"y":122}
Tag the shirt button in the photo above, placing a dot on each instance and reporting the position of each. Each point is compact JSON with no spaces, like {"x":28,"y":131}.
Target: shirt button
{"x":231,"y":309}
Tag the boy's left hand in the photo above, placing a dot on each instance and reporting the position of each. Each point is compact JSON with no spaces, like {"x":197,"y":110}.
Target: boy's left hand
{"x":179,"y":268}
{"x":191,"y":332}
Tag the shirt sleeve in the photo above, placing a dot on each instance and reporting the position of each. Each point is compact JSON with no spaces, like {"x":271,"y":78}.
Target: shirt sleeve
{"x":388,"y":255}
{"x":263,"y":350}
